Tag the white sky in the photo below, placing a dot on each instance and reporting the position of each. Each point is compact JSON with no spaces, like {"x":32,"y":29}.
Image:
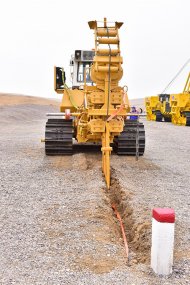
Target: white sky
{"x":35,"y":35}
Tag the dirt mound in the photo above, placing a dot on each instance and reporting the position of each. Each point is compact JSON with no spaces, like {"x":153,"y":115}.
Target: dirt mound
{"x":15,"y":99}
{"x":138,"y":103}
{"x":20,"y":108}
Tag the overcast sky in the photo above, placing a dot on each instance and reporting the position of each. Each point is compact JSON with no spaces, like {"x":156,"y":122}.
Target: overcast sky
{"x":35,"y":35}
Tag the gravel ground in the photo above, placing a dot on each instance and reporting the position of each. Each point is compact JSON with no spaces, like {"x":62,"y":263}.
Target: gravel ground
{"x":57,"y":225}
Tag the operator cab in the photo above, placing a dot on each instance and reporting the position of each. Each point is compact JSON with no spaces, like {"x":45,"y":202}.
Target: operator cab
{"x":164,"y":97}
{"x":80,"y":65}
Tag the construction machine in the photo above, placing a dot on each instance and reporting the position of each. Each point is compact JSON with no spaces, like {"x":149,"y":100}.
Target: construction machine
{"x":158,"y":108}
{"x":173,"y":108}
{"x":180,"y":105}
{"x":95,"y":109}
{"x":165,"y":107}
{"x":153,"y":107}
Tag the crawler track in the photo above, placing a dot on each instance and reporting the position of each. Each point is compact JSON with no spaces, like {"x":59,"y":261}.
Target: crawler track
{"x":127,"y":142}
{"x":58,"y":137}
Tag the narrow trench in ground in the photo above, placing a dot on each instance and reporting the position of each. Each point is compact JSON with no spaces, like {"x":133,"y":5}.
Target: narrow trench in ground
{"x":137,"y":233}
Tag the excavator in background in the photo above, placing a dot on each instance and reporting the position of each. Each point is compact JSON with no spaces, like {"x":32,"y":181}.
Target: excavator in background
{"x":180,"y":105}
{"x":95,"y":109}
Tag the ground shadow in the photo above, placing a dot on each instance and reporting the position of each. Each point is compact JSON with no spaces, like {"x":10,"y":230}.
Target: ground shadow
{"x":86,"y":148}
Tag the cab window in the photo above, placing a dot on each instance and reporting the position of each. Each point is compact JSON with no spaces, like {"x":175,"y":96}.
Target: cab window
{"x":81,"y":70}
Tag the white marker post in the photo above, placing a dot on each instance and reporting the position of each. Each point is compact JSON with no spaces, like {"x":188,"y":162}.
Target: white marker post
{"x":163,"y":220}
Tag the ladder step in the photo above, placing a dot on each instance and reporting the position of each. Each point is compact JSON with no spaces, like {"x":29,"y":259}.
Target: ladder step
{"x":107,"y":52}
{"x":107,"y":59}
{"x":102,"y":32}
{"x":106,"y":68}
{"x":108,"y":41}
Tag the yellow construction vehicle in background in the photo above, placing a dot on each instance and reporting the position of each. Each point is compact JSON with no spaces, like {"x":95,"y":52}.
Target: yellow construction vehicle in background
{"x":158,"y":108}
{"x":165,"y":107}
{"x":95,"y":109}
{"x":153,"y":107}
{"x":173,"y":108}
{"x":180,"y":105}
{"x":169,"y":107}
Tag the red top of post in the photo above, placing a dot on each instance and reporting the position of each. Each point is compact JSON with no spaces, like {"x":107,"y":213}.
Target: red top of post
{"x":164,"y":215}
